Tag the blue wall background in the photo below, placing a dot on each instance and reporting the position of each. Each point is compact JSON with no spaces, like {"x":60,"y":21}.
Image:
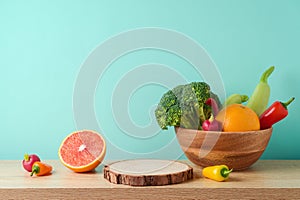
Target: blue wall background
{"x":44,"y":43}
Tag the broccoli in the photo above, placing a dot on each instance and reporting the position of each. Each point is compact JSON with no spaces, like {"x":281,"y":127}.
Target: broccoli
{"x":185,"y":106}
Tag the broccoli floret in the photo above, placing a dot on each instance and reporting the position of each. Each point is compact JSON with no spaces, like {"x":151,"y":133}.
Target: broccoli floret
{"x":185,"y":106}
{"x":165,"y":105}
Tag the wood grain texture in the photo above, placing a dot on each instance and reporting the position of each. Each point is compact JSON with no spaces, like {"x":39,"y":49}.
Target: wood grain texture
{"x":266,"y":179}
{"x":237,"y":150}
{"x":143,"y":172}
{"x":153,"y":193}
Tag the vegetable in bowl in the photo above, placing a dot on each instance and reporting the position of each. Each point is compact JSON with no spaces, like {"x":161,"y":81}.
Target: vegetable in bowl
{"x":185,"y":106}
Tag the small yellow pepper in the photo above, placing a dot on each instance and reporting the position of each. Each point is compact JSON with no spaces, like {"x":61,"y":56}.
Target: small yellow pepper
{"x":217,"y":172}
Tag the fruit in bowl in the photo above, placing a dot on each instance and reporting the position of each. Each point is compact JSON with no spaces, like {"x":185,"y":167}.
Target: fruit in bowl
{"x":238,"y":145}
{"x":235,"y":136}
{"x":237,"y":150}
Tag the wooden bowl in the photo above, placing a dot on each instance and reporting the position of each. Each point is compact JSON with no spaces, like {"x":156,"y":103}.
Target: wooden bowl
{"x":237,"y":150}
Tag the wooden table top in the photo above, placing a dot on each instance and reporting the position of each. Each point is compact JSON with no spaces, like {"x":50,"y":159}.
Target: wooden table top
{"x":266,"y":179}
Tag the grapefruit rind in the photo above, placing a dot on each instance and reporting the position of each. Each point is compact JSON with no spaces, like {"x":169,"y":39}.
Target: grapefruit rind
{"x":92,"y":165}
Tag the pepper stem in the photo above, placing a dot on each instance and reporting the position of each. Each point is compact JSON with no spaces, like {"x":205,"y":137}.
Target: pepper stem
{"x":225,"y":172}
{"x":26,"y":157}
{"x":35,"y":170}
{"x":264,"y":77}
{"x":285,"y":104}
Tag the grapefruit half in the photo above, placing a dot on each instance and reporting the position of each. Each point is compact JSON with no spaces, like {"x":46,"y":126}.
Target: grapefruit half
{"x":82,"y":151}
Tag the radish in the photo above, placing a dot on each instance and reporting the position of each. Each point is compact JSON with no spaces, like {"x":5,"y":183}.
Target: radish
{"x":29,"y":160}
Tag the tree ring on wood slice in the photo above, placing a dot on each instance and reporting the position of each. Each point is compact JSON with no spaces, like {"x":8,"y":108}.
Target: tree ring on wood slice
{"x":147,"y":172}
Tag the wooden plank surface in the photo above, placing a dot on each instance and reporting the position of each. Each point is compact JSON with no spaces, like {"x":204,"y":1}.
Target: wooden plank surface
{"x":267,"y":179}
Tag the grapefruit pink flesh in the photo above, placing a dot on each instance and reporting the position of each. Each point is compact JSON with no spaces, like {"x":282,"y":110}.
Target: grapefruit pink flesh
{"x":81,"y":149}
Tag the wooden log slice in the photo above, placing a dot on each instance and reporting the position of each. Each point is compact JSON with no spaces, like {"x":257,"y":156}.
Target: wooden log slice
{"x":147,"y":172}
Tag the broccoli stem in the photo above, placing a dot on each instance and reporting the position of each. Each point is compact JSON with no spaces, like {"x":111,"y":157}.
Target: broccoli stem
{"x":201,"y":114}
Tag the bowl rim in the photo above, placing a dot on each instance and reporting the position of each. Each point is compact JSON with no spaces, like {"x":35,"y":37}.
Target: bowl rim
{"x":224,"y":132}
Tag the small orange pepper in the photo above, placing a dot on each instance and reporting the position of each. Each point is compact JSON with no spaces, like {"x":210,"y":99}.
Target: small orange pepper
{"x":40,"y":169}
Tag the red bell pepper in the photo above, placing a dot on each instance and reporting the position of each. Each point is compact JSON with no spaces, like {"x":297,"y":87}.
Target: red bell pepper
{"x":276,"y":112}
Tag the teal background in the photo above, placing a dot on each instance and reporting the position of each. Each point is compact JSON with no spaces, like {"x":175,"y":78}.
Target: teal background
{"x":44,"y":43}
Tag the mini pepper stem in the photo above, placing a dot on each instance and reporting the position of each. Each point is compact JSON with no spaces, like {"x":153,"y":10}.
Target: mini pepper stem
{"x":225,"y":172}
{"x":35,"y":170}
{"x":285,"y":104}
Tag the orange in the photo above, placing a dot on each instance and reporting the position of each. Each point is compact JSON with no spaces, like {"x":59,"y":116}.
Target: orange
{"x":237,"y":117}
{"x":82,"y":151}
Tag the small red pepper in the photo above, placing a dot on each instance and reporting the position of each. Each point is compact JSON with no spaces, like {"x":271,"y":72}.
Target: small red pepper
{"x":276,"y":112}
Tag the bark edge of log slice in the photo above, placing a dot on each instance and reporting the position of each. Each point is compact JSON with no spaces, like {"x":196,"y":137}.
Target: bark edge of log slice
{"x":118,"y":173}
